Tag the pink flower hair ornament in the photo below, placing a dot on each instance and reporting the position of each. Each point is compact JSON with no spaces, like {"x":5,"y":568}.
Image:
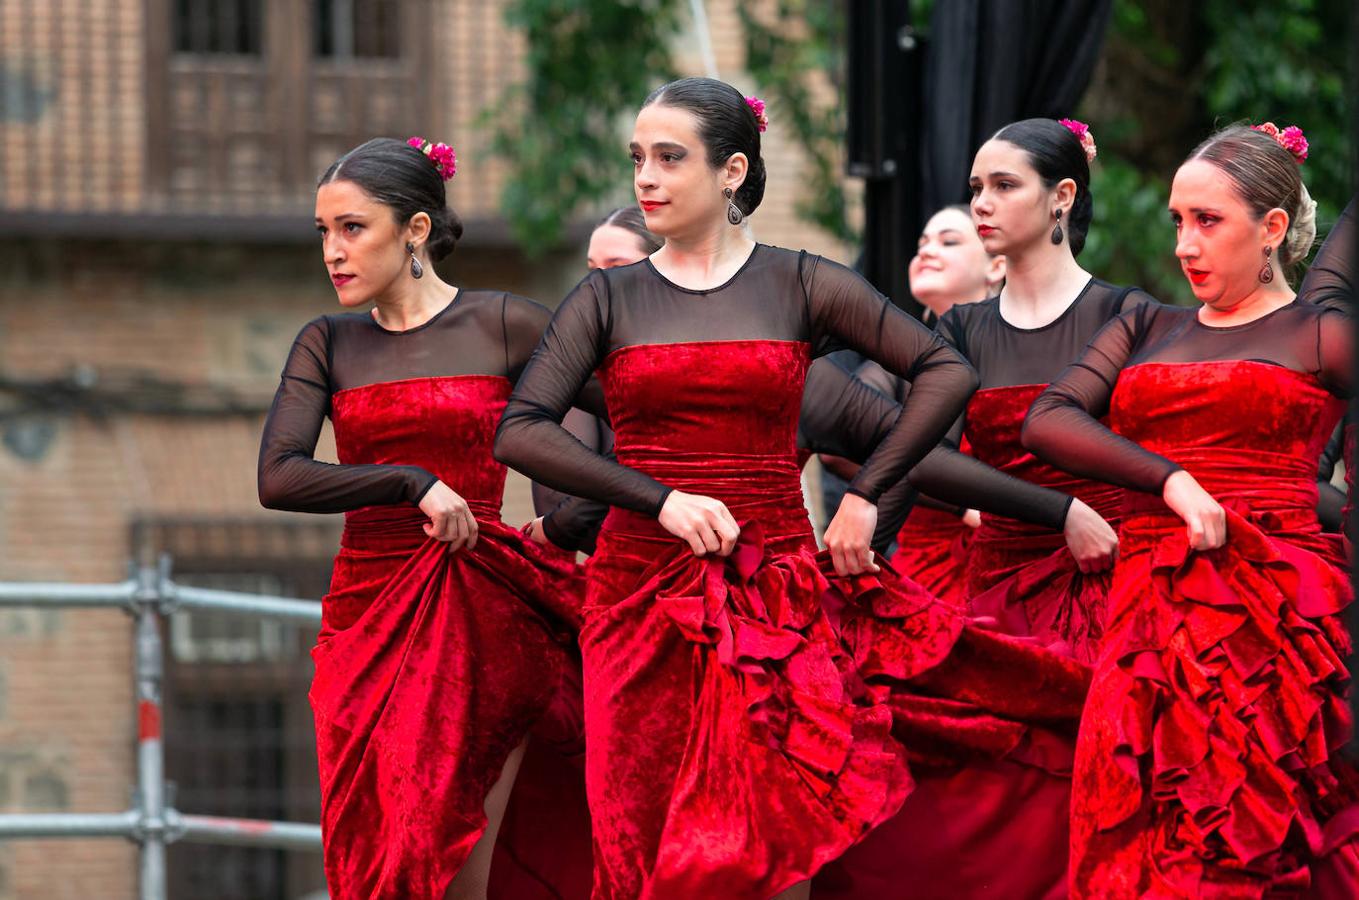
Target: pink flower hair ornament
{"x":757,"y":107}
{"x":444,"y":159}
{"x":1082,"y":133}
{"x":1291,"y":139}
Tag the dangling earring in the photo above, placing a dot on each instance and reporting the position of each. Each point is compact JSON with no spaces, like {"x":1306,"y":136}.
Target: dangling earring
{"x":1267,"y":273}
{"x":417,"y":270}
{"x":734,"y":214}
{"x":1057,"y":229}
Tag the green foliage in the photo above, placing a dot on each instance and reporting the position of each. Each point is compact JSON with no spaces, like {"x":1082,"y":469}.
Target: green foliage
{"x":590,"y":62}
{"x":805,"y":39}
{"x":1172,"y":72}
{"x":1215,"y":63}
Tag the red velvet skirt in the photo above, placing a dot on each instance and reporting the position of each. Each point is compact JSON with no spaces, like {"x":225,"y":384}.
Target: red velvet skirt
{"x":995,"y":825}
{"x":1207,"y":764}
{"x":740,"y":713}
{"x":1027,"y":580}
{"x":543,"y":851}
{"x":430,"y":668}
{"x":932,"y":552}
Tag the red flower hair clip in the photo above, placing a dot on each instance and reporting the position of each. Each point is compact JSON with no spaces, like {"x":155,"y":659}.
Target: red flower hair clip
{"x":757,"y":107}
{"x":1082,"y":133}
{"x":1291,"y":139}
{"x":444,"y":159}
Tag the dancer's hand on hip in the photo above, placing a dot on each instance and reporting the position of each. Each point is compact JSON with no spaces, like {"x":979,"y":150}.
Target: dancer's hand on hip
{"x":1204,"y":519}
{"x":849,"y":535}
{"x":702,"y":522}
{"x":1092,"y":542}
{"x":450,"y":519}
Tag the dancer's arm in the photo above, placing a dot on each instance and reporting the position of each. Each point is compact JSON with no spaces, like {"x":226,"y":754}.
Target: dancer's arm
{"x":290,"y":478}
{"x":530,"y":437}
{"x":1063,"y":424}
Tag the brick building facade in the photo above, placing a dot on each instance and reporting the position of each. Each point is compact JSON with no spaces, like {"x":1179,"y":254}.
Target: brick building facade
{"x":157,"y":161}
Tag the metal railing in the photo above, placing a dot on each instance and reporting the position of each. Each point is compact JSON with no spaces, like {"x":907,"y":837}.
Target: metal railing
{"x":152,"y":823}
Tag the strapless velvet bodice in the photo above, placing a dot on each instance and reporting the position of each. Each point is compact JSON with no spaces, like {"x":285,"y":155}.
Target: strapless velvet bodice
{"x":714,"y":418}
{"x":445,"y":425}
{"x":1245,"y":430}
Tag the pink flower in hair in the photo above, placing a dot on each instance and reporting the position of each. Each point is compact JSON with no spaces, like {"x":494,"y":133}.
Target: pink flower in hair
{"x":1293,"y":140}
{"x":444,"y":159}
{"x":1082,"y":133}
{"x":757,"y":107}
{"x":1290,"y":138}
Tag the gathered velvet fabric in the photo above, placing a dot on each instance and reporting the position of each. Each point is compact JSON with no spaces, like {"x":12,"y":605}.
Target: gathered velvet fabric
{"x":997,"y":826}
{"x":932,"y":551}
{"x":1023,"y":575}
{"x":1207,"y":764}
{"x":740,"y":712}
{"x":430,"y":667}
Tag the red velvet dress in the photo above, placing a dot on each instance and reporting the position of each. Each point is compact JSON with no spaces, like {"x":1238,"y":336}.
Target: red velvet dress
{"x":430,"y":667}
{"x":739,"y":712}
{"x":1207,"y":764}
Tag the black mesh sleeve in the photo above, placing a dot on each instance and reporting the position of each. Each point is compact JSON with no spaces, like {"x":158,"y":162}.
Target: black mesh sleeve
{"x":289,"y":477}
{"x":1063,"y":424}
{"x":946,"y":474}
{"x":1332,"y":279}
{"x":530,"y":437}
{"x":572,"y":523}
{"x":843,"y":307}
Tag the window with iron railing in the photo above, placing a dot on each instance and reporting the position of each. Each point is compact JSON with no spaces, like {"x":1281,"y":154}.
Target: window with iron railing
{"x":248,"y":100}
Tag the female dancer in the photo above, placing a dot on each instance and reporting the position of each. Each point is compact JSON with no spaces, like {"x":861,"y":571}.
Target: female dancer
{"x":1043,"y":575}
{"x":422,"y":695}
{"x":840,"y":415}
{"x":1333,"y":280}
{"x":1207,"y":757}
{"x":736,"y":739}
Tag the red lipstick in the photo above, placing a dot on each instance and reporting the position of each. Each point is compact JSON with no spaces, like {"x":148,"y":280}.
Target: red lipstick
{"x":1196,"y":276}
{"x":652,"y":205}
{"x":984,"y":230}
{"x":341,"y":280}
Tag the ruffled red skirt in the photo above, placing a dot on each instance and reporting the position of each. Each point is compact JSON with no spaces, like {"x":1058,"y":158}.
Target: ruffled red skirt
{"x":430,"y":668}
{"x":1207,"y":764}
{"x":740,"y":713}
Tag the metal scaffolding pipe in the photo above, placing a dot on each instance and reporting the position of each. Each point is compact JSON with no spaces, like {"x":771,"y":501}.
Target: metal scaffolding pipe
{"x":246,"y":832}
{"x":38,"y":593}
{"x":302,"y":612}
{"x":17,"y":826}
{"x":150,"y":665}
{"x":152,"y":823}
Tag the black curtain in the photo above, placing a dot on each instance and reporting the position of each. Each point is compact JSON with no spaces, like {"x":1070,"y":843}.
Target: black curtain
{"x":991,"y":62}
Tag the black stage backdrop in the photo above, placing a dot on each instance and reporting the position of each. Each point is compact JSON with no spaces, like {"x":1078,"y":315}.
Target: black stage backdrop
{"x":918,"y":110}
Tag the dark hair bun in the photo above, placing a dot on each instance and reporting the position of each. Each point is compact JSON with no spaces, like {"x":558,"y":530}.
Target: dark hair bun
{"x":726,"y":125}
{"x":1265,"y":176}
{"x":1056,"y":153}
{"x":399,"y":176}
